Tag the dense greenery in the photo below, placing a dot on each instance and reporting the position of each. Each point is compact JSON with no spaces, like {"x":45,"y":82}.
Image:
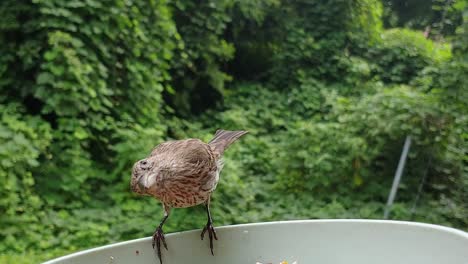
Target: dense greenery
{"x":327,"y":92}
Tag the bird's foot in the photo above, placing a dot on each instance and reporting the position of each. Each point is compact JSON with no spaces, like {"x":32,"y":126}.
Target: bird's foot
{"x":211,"y":234}
{"x":158,"y":237}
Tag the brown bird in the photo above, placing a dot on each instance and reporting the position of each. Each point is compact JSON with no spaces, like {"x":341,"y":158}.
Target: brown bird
{"x":183,"y":173}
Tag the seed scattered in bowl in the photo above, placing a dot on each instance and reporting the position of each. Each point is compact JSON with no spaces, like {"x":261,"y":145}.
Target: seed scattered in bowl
{"x":282,"y":262}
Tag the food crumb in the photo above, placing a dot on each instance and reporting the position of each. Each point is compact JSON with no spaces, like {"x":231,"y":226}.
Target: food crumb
{"x":282,"y":262}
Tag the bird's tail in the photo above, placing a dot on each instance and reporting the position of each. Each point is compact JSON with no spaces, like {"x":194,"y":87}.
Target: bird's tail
{"x":223,"y":138}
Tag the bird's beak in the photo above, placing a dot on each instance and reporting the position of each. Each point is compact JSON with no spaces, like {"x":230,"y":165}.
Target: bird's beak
{"x":141,"y":183}
{"x":138,"y":185}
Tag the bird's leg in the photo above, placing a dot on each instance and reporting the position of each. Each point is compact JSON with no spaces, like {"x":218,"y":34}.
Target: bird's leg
{"x":209,"y":227}
{"x":158,"y":235}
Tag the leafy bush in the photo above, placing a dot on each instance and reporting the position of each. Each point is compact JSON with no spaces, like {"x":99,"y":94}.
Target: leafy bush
{"x":92,"y":70}
{"x":23,"y":139}
{"x":402,"y":54}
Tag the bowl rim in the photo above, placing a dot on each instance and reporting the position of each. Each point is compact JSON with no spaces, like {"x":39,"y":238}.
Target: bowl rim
{"x":446,"y":229}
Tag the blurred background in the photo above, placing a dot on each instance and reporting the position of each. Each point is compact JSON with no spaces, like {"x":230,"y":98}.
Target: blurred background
{"x":328,"y":90}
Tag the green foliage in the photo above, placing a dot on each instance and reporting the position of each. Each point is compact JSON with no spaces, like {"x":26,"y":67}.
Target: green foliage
{"x":318,"y":33}
{"x":90,"y":75}
{"x":312,"y":161}
{"x":328,"y":96}
{"x":203,"y":51}
{"x":402,"y":54}
{"x":23,"y":139}
{"x":437,"y":17}
{"x":89,"y":80}
{"x":450,"y":77}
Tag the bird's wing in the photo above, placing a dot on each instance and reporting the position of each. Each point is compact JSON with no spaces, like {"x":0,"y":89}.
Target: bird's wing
{"x":187,"y":160}
{"x":184,"y":152}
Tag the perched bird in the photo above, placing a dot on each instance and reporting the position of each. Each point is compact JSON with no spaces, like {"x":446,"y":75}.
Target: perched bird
{"x":182,"y":173}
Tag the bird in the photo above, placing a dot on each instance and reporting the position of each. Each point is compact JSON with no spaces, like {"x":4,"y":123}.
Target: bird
{"x":180,"y":174}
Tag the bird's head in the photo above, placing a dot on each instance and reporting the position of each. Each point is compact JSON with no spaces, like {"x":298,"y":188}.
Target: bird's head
{"x":141,"y":175}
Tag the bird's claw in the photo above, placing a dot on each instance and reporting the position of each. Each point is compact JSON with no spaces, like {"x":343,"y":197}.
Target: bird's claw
{"x":158,"y":237}
{"x":211,"y":234}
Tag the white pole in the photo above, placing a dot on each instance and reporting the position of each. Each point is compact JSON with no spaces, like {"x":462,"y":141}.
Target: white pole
{"x":398,"y":173}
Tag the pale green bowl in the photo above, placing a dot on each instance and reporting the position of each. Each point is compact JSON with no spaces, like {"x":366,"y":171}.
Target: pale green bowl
{"x":307,"y":242}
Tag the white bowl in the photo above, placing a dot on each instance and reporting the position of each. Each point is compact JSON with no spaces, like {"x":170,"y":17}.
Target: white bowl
{"x":307,"y":242}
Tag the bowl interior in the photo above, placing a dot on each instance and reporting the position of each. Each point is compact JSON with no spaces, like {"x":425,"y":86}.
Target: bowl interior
{"x":307,"y":242}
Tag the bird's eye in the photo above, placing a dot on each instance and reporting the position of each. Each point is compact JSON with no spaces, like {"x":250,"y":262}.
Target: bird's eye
{"x":144,"y":165}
